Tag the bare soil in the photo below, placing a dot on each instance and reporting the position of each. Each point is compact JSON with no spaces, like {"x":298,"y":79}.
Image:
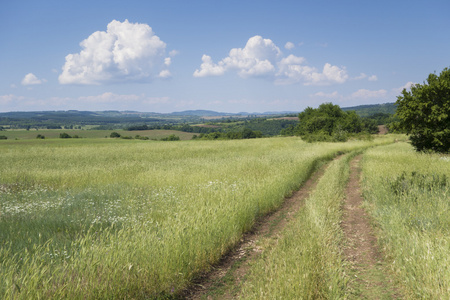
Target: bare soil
{"x":382,"y":129}
{"x":370,"y":278}
{"x":224,"y":281}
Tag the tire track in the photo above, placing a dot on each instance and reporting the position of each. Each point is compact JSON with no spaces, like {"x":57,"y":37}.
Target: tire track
{"x":225,"y":279}
{"x":370,"y":280}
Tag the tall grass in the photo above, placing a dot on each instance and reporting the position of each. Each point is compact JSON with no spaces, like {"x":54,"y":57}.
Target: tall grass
{"x":306,"y":262}
{"x":408,"y":194}
{"x":127,"y":219}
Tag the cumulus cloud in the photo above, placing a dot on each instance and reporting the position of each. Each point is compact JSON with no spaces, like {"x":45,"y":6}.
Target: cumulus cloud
{"x":261,"y":57}
{"x":208,"y":68}
{"x":31,"y":79}
{"x":257,"y":58}
{"x":373,"y":78}
{"x":289,"y":45}
{"x":124,"y":52}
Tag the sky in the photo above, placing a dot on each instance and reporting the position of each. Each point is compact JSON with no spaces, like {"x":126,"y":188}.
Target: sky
{"x":228,"y":56}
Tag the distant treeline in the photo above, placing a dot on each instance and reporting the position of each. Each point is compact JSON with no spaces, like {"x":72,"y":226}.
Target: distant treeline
{"x":266,"y":127}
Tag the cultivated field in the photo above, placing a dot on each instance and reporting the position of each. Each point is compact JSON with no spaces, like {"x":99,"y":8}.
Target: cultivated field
{"x":115,"y":219}
{"x":21,"y":134}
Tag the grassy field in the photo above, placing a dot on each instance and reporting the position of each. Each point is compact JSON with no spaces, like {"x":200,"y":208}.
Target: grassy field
{"x":408,"y":194}
{"x":106,"y":218}
{"x":54,"y":133}
{"x":306,"y":262}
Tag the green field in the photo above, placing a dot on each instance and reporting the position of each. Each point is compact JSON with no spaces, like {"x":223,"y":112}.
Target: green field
{"x":129,"y":219}
{"x":22,"y":134}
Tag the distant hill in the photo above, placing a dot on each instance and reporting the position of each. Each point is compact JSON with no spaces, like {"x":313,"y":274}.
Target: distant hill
{"x":199,"y":113}
{"x":111,"y":118}
{"x":368,"y":110}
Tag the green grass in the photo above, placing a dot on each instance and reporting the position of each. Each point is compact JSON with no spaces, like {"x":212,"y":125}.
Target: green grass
{"x":54,"y":133}
{"x":306,"y":262}
{"x":108,"y":218}
{"x":408,"y":195}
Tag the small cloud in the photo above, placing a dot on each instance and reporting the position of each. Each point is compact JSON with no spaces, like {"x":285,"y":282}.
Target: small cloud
{"x":31,"y":79}
{"x":208,"y":68}
{"x":289,"y":45}
{"x":373,"y":78}
{"x":173,"y":53}
{"x":361,"y":76}
{"x":334,"y":94}
{"x":407,"y":86}
{"x":165,"y":74}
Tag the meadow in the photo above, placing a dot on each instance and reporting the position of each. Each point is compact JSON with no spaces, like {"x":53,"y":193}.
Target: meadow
{"x":408,"y":195}
{"x":107,"y":218}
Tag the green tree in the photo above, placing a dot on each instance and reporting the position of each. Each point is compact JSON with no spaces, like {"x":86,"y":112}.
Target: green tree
{"x":424,"y":113}
{"x":114,"y":135}
{"x":64,"y":136}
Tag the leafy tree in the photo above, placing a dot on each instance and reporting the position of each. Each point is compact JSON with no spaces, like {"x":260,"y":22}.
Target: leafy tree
{"x":329,"y":122}
{"x":424,"y":113}
{"x":114,"y":135}
{"x":64,"y":136}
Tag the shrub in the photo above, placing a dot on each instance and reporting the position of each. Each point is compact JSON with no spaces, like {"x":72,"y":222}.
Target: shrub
{"x":64,"y":136}
{"x":40,"y":136}
{"x":114,"y":135}
{"x":171,"y":137}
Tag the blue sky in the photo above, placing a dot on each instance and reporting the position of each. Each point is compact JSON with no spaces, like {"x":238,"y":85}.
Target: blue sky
{"x":229,"y":56}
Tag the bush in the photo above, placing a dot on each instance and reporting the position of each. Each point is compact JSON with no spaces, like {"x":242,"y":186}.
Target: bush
{"x":171,"y":137}
{"x":39,"y":136}
{"x":114,"y":135}
{"x":64,"y":136}
{"x":3,"y":137}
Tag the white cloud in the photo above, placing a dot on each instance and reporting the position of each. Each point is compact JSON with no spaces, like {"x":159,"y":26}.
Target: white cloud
{"x":261,"y":57}
{"x":289,"y":45}
{"x":31,"y":79}
{"x":165,"y":74}
{"x":208,"y":68}
{"x":124,"y":52}
{"x":257,"y":58}
{"x":365,"y":94}
{"x":361,"y":76}
{"x":400,"y":89}
{"x":373,"y":78}
{"x":334,"y":94}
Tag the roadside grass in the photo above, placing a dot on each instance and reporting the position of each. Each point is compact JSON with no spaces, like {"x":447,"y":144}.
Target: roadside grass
{"x":54,"y":133}
{"x":106,"y":218}
{"x":408,"y":193}
{"x":306,"y":261}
